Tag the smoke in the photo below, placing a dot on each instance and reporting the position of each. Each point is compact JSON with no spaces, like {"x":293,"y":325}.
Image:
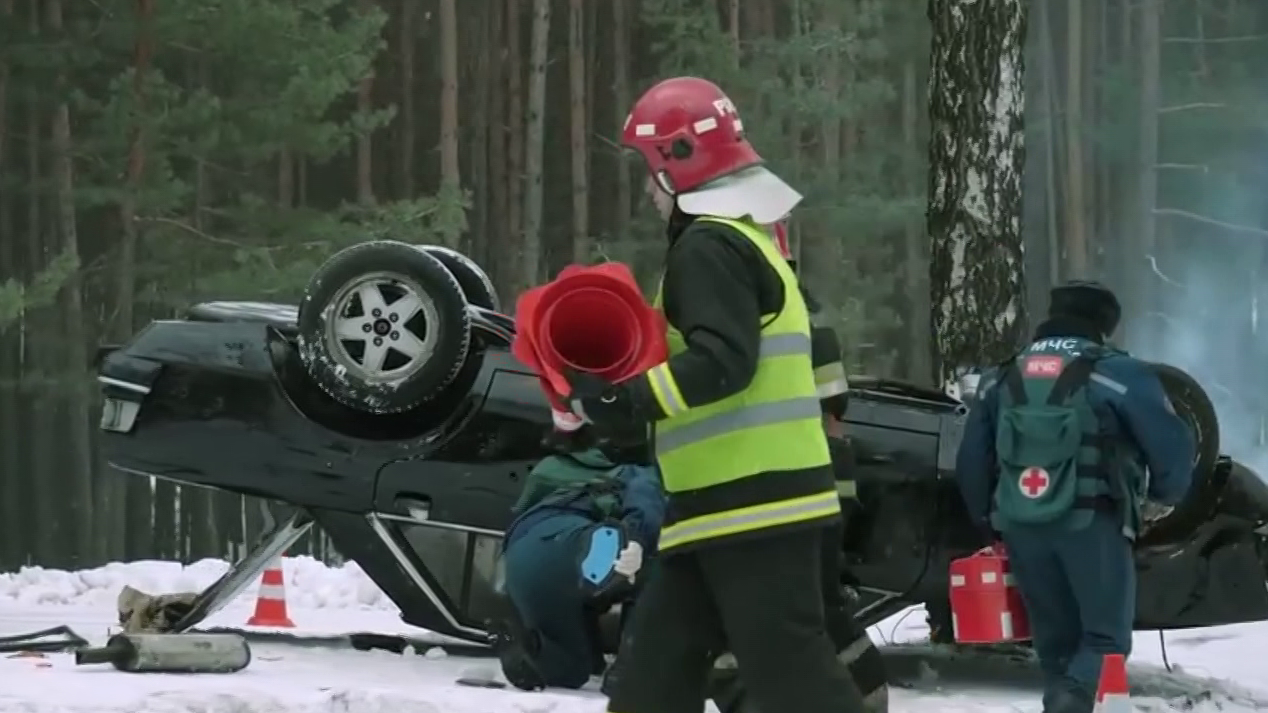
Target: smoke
{"x":1207,"y":322}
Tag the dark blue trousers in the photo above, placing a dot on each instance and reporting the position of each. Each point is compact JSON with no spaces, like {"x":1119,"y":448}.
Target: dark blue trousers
{"x":543,"y":584}
{"x":1079,"y":587}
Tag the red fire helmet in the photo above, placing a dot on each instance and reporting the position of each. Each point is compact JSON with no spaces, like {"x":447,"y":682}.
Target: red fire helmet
{"x":690,"y":134}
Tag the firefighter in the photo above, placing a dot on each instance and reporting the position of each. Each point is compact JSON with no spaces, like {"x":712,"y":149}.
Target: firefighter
{"x":854,"y":647}
{"x":559,"y":576}
{"x":736,"y":426}
{"x":1054,"y":460}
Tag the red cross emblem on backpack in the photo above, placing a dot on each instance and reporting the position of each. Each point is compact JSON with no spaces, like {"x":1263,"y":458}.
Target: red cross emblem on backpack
{"x":1034,"y":482}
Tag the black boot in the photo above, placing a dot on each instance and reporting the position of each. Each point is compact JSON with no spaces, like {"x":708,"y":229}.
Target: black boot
{"x":516,"y":648}
{"x":1071,"y":700}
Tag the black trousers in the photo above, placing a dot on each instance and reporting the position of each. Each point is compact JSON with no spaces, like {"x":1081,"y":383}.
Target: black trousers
{"x":853,"y":646}
{"x":762,"y":600}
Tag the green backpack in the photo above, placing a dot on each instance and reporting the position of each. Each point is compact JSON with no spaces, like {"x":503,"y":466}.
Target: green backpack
{"x":1047,"y":440}
{"x":565,"y":479}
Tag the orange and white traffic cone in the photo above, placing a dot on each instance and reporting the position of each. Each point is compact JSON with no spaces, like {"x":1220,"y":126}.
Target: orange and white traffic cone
{"x":270,"y":603}
{"x":1112,"y":695}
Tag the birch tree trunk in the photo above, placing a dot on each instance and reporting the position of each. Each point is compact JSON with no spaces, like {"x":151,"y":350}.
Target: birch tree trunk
{"x":976,"y":154}
{"x":534,"y":135}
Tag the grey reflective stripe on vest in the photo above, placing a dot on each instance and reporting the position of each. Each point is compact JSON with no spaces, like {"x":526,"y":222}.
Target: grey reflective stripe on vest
{"x":823,"y":504}
{"x":752,"y":416}
{"x":787,"y":344}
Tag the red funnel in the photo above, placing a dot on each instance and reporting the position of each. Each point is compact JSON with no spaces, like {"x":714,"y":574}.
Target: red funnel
{"x":589,"y":319}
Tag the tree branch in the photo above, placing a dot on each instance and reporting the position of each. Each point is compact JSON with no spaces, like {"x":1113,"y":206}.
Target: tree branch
{"x":1212,"y":40}
{"x":1194,"y":105}
{"x":1234,"y":227}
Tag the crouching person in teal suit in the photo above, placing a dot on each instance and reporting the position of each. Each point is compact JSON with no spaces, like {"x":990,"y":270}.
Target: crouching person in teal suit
{"x":584,"y":527}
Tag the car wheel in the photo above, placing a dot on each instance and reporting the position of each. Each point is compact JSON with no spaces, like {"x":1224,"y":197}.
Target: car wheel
{"x":475,"y":283}
{"x":1193,"y":405}
{"x":383,"y":327}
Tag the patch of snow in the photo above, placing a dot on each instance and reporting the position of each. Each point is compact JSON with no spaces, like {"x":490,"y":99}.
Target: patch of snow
{"x":315,"y":678}
{"x":310,"y":584}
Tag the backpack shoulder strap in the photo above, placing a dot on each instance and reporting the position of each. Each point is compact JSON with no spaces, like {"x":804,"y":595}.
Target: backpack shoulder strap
{"x":1074,"y":377}
{"x":1010,"y":377}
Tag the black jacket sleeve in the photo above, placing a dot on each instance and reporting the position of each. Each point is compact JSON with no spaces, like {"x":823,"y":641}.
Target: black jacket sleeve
{"x":712,"y":293}
{"x":825,"y":356}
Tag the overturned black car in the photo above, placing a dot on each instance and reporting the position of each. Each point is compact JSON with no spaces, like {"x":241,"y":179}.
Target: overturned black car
{"x":388,"y":410}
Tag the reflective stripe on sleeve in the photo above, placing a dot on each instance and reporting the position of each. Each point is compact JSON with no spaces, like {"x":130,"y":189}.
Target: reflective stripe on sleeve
{"x":665,"y":389}
{"x":756,"y":517}
{"x":751,"y":416}
{"x":830,"y":380}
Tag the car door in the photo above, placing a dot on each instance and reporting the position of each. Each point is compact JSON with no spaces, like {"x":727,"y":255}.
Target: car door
{"x":446,"y":514}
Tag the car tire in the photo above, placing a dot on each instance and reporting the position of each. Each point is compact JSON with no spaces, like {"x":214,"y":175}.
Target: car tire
{"x":475,"y":283}
{"x":412,"y":312}
{"x":1193,"y":405}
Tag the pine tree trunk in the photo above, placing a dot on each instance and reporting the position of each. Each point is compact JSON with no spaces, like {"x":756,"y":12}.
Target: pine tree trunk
{"x":498,"y":227}
{"x":976,"y":156}
{"x":127,"y":510}
{"x":821,"y":241}
{"x":365,"y":142}
{"x":450,"y":175}
{"x":916,"y":247}
{"x":200,"y":529}
{"x":1142,"y":239}
{"x":285,"y":179}
{"x":78,"y":444}
{"x":12,"y":479}
{"x":733,"y":29}
{"x":480,"y":90}
{"x":515,"y":138}
{"x":534,"y":137}
{"x":578,"y":131}
{"x":49,"y":521}
{"x":405,"y":153}
{"x":1076,"y":245}
{"x":621,"y":82}
{"x":1052,"y":140}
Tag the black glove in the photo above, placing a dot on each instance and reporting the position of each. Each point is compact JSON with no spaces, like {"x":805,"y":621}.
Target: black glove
{"x":609,"y":407}
{"x":564,"y":442}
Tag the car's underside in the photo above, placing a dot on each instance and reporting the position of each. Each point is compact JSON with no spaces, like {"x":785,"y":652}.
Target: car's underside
{"x":418,"y":492}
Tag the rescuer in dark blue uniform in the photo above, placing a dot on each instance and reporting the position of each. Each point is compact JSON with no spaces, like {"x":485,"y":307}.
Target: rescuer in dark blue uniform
{"x":561,"y":574}
{"x":1054,"y":460}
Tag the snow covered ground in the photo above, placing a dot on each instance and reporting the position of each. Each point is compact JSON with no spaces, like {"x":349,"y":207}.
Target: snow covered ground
{"x":289,"y":678}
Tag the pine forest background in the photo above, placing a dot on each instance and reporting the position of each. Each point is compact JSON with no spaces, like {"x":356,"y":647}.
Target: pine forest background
{"x":156,"y":154}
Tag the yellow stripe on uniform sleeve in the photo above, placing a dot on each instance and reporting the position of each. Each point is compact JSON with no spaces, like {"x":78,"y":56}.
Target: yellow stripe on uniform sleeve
{"x":665,"y":389}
